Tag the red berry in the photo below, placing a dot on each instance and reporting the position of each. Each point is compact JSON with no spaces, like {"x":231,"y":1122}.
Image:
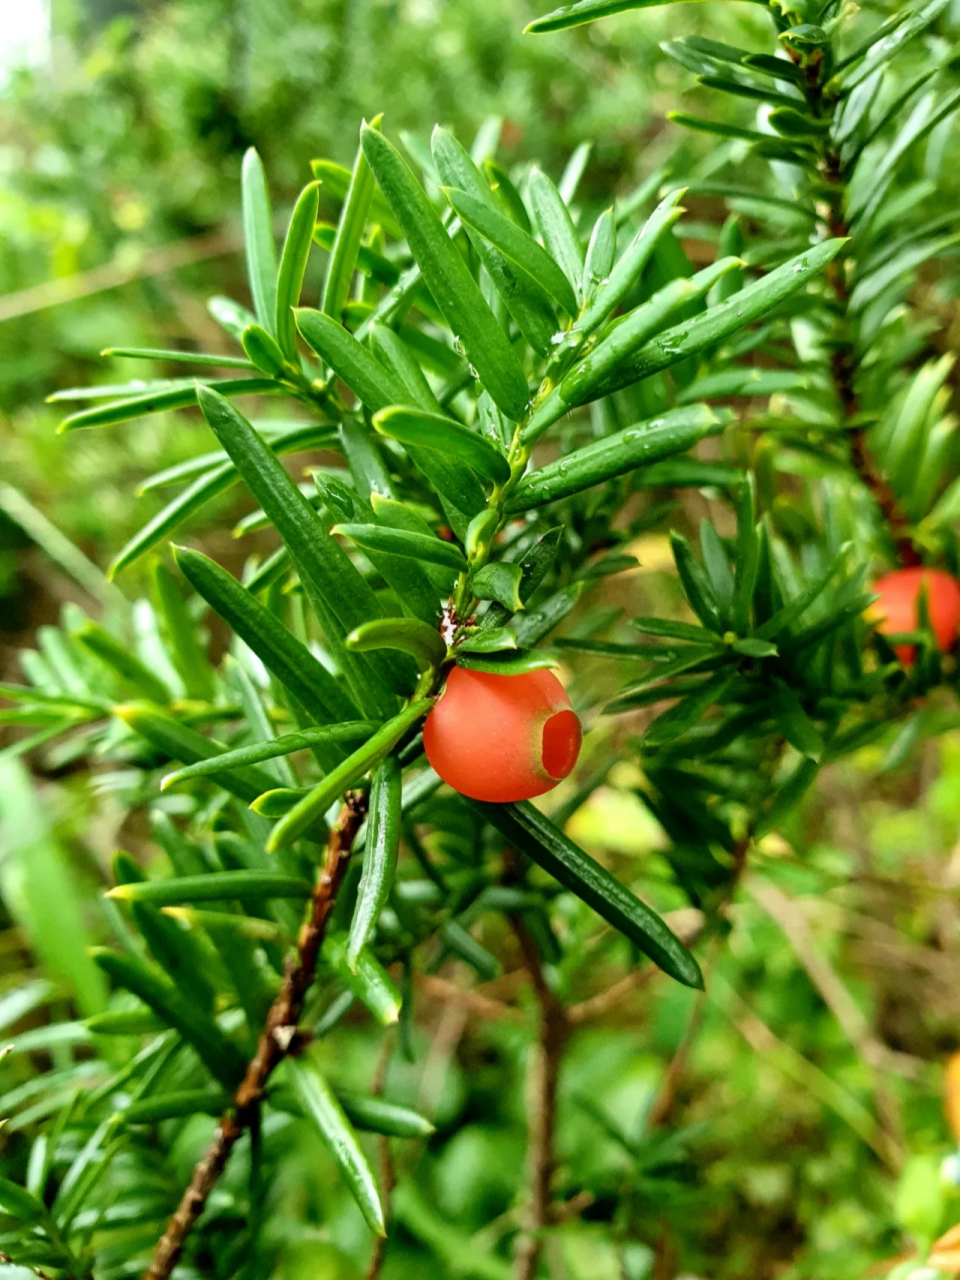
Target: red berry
{"x":502,"y":738}
{"x":898,"y":608}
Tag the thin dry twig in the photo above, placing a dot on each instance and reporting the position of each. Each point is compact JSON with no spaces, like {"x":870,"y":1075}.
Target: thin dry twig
{"x":792,"y":922}
{"x":687,"y":924}
{"x":474,"y":1001}
{"x":154,"y":262}
{"x":541,"y":1106}
{"x":279,"y":1039}
{"x":815,"y":1082}
{"x":843,"y":364}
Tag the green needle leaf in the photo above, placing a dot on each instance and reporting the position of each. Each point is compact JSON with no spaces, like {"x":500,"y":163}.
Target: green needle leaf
{"x":302,"y":740}
{"x":263,"y":350}
{"x":180,"y":397}
{"x":553,"y":222}
{"x":514,"y":243}
{"x":377,"y":1115}
{"x":379,"y":857}
{"x":448,"y":278}
{"x":534,"y":834}
{"x":221,"y":1057}
{"x":500,"y":582}
{"x":433,"y":431}
{"x":321,"y":1106}
{"x":338,"y":594}
{"x":278,"y":649}
{"x":424,"y":643}
{"x":366,"y":978}
{"x":350,"y":228}
{"x":182,"y":743}
{"x":119,"y":659}
{"x":261,"y":248}
{"x":525,"y":300}
{"x":637,"y":446}
{"x":398,"y":542}
{"x":218,"y":886}
{"x":293,"y":264}
{"x":315,"y":803}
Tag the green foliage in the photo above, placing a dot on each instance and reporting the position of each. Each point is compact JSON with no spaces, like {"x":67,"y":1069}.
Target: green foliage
{"x":505,"y":385}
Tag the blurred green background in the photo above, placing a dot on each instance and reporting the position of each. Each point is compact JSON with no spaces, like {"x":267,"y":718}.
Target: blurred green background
{"x":119,"y":186}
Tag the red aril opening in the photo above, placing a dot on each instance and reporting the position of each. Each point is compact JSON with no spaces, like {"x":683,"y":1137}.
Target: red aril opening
{"x":562,"y":737}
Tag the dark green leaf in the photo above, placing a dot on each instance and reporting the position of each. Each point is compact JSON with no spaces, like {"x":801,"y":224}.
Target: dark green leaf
{"x":527,"y":304}
{"x":377,"y":1115}
{"x":432,"y":431}
{"x":500,"y":582}
{"x":512,"y":663}
{"x":400,"y":543}
{"x":218,"y":886}
{"x":534,"y":834}
{"x":688,"y":711}
{"x":311,"y":807}
{"x":182,"y":743}
{"x":222,"y":1058}
{"x":261,"y":248}
{"x":612,"y":456}
{"x":256,"y":752}
{"x":379,"y":856}
{"x":424,"y":643}
{"x":448,"y":279}
{"x":338,"y":594}
{"x":320,"y":1104}
{"x":515,"y":244}
{"x":278,"y":649}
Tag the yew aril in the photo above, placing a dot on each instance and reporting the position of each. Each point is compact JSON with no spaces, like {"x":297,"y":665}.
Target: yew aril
{"x":898,"y":608}
{"x":502,"y":738}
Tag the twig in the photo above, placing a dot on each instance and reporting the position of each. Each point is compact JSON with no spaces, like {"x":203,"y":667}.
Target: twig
{"x":800,"y":1069}
{"x":663,"y":1103}
{"x":843,"y":364}
{"x":541,"y":1105}
{"x":474,"y":1001}
{"x":793,"y":924}
{"x":687,"y":923}
{"x":154,"y":262}
{"x":278,"y":1040}
{"x":838,"y":1000}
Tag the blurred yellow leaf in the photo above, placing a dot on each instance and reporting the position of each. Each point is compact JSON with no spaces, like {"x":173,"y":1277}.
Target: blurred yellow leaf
{"x":951,"y":1095}
{"x":945,"y":1252}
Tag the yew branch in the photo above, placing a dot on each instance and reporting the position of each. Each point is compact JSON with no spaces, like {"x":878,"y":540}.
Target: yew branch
{"x":278,"y":1040}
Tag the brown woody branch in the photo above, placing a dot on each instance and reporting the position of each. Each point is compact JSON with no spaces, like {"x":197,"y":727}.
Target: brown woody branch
{"x":843,"y":365}
{"x":279,"y":1039}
